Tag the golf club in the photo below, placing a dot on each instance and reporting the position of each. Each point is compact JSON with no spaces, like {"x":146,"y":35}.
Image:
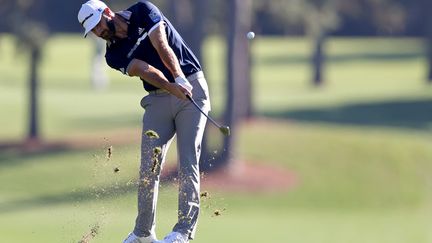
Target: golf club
{"x":225,"y":130}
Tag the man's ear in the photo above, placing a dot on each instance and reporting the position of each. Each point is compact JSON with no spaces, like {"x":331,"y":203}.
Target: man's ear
{"x":108,"y":12}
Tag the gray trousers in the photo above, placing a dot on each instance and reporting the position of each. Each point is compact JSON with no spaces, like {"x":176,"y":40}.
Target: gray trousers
{"x":169,"y":116}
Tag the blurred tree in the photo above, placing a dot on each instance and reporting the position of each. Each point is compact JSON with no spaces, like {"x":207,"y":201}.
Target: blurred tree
{"x":31,"y":36}
{"x":321,"y":19}
{"x":238,"y":75}
{"x":324,"y":16}
{"x":270,"y":19}
{"x":426,"y":7}
{"x":387,"y":17}
{"x":191,"y":19}
{"x":318,"y":18}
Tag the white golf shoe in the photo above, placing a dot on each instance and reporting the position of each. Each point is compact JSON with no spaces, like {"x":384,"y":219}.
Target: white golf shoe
{"x":132,"y":238}
{"x":175,"y":237}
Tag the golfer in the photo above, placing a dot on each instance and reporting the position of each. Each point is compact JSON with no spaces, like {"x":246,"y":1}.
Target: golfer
{"x":141,"y":42}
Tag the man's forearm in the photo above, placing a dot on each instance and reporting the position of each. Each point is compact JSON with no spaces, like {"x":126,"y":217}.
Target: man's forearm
{"x":167,"y":55}
{"x":170,"y":60}
{"x":149,"y":73}
{"x":155,"y":77}
{"x":160,"y":43}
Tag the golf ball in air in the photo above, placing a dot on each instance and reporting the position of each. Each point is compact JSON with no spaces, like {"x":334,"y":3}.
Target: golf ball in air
{"x":250,"y":35}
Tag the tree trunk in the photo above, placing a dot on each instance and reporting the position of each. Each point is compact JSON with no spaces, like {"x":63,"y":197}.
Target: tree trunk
{"x":249,"y":109}
{"x":238,"y":75}
{"x":183,"y":17}
{"x":429,"y":55}
{"x":190,"y":18}
{"x":428,"y":35}
{"x":198,"y":29}
{"x":318,"y":59}
{"x":33,"y":132}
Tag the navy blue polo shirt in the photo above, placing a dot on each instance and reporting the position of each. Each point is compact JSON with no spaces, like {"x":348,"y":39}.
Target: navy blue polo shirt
{"x":143,"y":17}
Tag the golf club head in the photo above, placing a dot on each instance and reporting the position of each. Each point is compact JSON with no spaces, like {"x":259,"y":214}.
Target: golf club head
{"x":225,"y":130}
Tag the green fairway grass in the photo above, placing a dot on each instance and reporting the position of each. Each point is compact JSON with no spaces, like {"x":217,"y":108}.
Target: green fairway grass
{"x":359,"y":147}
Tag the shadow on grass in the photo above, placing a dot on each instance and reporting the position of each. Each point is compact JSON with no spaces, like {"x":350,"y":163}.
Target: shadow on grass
{"x":76,"y":196}
{"x":413,"y":114}
{"x":293,"y":59}
{"x":15,"y":153}
{"x":108,"y":121}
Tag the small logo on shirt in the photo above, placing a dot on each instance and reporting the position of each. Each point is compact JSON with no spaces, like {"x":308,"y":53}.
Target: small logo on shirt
{"x":154,"y":16}
{"x":140,"y":30}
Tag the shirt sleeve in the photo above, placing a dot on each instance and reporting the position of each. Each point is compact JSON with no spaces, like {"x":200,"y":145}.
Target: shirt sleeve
{"x":120,"y":64}
{"x":148,"y":15}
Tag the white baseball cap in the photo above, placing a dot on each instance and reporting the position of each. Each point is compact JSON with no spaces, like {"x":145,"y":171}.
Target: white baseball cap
{"x":90,"y":14}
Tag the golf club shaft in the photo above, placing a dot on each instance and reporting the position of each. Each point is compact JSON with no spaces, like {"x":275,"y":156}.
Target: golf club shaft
{"x":199,"y":108}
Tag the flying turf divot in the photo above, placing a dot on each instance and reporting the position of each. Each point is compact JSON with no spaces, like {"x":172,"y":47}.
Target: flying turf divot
{"x":152,"y":134}
{"x":156,"y":151}
{"x":206,"y":199}
{"x":156,"y":164}
{"x":102,"y":168}
{"x":90,"y":235}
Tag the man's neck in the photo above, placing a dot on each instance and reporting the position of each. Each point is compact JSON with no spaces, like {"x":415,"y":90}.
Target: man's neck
{"x":121,"y":26}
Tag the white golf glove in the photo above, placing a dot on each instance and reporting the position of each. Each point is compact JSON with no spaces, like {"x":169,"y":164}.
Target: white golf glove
{"x":182,"y":81}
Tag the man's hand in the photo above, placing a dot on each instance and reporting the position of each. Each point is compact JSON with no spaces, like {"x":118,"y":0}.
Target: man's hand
{"x":178,"y":91}
{"x":182,"y":81}
{"x":156,"y":78}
